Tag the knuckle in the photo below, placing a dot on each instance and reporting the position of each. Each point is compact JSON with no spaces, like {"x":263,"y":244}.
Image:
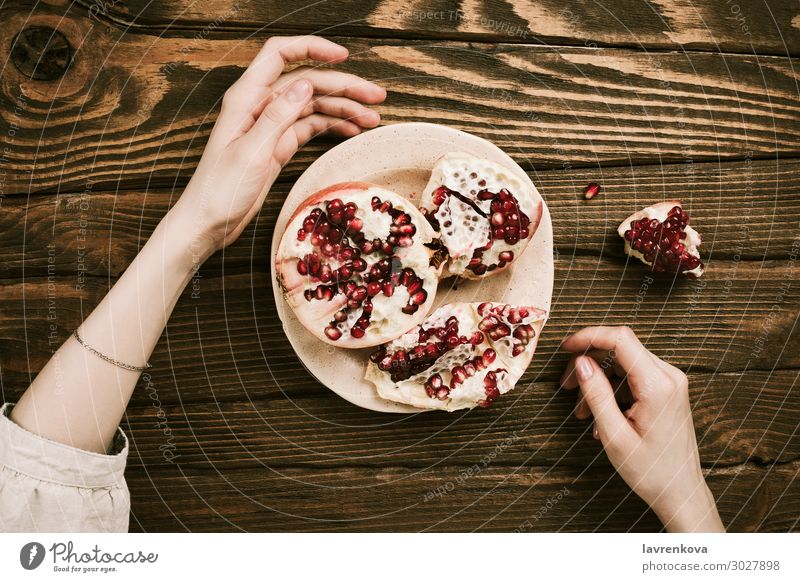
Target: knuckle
{"x":231,"y":96}
{"x":681,"y":383}
{"x":274,"y":42}
{"x":596,"y":398}
{"x":625,"y":334}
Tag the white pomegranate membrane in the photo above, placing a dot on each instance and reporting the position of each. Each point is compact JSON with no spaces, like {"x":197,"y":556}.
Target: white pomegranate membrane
{"x":354,"y":266}
{"x":484,"y":213}
{"x":463,"y":355}
{"x":660,"y":236}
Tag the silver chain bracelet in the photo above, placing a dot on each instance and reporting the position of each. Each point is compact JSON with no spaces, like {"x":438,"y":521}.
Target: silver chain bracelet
{"x":109,"y":359}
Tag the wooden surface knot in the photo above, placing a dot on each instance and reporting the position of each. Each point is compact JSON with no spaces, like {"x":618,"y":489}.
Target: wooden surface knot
{"x":41,"y":53}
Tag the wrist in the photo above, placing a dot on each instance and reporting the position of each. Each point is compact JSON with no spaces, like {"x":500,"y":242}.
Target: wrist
{"x":693,"y":511}
{"x":182,"y":245}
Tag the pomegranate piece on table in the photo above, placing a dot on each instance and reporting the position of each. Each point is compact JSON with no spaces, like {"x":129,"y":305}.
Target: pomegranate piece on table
{"x":463,"y":355}
{"x":354,"y":267}
{"x":484,"y":213}
{"x":660,"y":236}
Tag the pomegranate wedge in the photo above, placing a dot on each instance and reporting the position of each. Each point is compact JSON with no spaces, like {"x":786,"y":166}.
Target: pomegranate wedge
{"x":660,"y":236}
{"x":354,"y":267}
{"x":463,"y":355}
{"x":484,"y":213}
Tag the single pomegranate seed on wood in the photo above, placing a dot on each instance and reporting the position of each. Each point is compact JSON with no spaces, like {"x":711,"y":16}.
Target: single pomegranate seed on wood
{"x":592,"y":190}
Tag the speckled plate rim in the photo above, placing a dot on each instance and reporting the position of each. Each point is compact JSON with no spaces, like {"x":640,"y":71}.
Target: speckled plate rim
{"x":400,"y":157}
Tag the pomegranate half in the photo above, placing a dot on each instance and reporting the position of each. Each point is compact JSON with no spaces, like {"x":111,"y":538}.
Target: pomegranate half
{"x":354,"y":266}
{"x":484,"y":213}
{"x":660,"y":236}
{"x":463,"y":355}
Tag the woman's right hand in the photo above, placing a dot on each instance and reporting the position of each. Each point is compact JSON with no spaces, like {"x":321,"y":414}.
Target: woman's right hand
{"x":652,"y":444}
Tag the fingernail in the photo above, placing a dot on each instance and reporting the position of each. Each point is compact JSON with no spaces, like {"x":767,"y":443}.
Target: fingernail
{"x":596,"y":433}
{"x":299,"y":90}
{"x":584,"y":368}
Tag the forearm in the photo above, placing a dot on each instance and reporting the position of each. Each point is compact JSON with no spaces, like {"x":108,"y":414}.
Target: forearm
{"x":78,"y":398}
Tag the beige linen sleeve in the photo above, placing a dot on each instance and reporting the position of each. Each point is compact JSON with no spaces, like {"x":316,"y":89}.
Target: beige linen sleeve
{"x":47,"y":486}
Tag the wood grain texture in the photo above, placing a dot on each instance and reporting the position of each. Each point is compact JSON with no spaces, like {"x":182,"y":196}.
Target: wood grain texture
{"x":750,"y":498}
{"x":756,"y":26}
{"x":135,"y":109}
{"x":745,"y":210}
{"x":738,"y":418}
{"x":229,"y":433}
{"x":739,"y":316}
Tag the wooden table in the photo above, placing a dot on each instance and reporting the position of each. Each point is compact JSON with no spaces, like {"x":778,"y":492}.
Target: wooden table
{"x":692,"y":100}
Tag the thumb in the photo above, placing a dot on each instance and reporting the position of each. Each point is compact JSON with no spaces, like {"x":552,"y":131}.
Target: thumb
{"x":280,"y":114}
{"x":613,"y":428}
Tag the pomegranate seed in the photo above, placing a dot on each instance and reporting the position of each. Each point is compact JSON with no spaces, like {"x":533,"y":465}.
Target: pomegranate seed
{"x":339,"y":316}
{"x":373,"y":289}
{"x":506,"y":256}
{"x":302,"y":268}
{"x":357,"y":332}
{"x":476,"y":338}
{"x":355,"y":225}
{"x":499,"y":332}
{"x":333,"y":332}
{"x":592,"y":190}
{"x":419,"y":298}
{"x":414,"y":286}
{"x":487,"y":324}
{"x":459,"y":375}
{"x":358,"y":265}
{"x":488,"y":357}
{"x":388,"y":289}
{"x":325,"y":274}
{"x":524,"y":333}
{"x":498,"y":219}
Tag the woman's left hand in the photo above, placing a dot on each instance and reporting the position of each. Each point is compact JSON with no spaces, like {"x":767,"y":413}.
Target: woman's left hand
{"x":266,"y":116}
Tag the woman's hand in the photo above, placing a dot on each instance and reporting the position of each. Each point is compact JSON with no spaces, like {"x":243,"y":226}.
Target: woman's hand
{"x":652,"y":444}
{"x":266,"y":116}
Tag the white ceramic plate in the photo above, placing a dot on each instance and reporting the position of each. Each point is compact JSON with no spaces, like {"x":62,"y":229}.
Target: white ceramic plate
{"x":400,"y":157}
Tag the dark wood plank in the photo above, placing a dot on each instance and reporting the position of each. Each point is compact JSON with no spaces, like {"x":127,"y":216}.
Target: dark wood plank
{"x":740,"y":315}
{"x":135,"y":109}
{"x":750,"y":498}
{"x":750,"y":27}
{"x":738,"y":417}
{"x":745,"y":210}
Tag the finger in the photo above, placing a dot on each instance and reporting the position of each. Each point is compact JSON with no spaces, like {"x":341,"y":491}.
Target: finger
{"x":279,"y":51}
{"x":336,"y":84}
{"x":612,"y":426}
{"x":637,"y":362}
{"x":278,"y":116}
{"x":344,"y":108}
{"x":582,"y":411}
{"x":245,"y":100}
{"x":622,"y":395}
{"x":309,"y":127}
{"x":610,"y":366}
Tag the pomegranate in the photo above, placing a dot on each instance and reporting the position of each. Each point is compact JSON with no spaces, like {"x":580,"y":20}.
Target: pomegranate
{"x":354,"y":265}
{"x":660,"y":236}
{"x":462,"y":355}
{"x":484,"y":213}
